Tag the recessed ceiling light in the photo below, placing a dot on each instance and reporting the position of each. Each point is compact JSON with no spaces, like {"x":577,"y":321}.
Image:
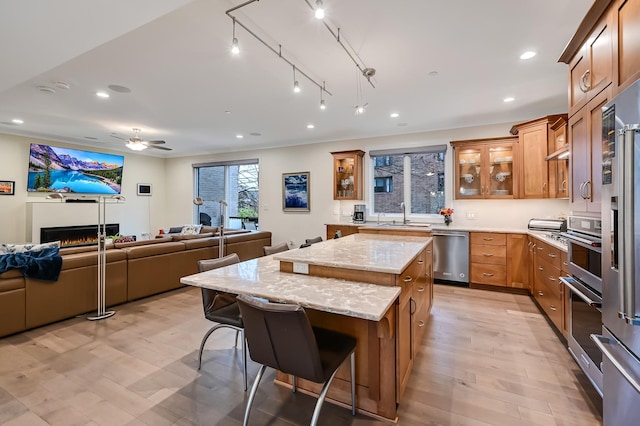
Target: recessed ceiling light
{"x":394,"y":115}
{"x":102,"y":95}
{"x":46,"y":89}
{"x":17,"y":121}
{"x":508,"y":99}
{"x":255,"y":134}
{"x":239,"y":136}
{"x":62,"y":85}
{"x":528,"y":54}
{"x":310,"y":126}
{"x":433,"y":73}
{"x":227,"y":112}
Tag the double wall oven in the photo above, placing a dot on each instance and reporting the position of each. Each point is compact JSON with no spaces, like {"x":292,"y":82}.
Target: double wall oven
{"x":584,"y":253}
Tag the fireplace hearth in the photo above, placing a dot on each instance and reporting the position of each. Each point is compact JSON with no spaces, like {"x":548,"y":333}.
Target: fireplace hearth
{"x":75,"y":236}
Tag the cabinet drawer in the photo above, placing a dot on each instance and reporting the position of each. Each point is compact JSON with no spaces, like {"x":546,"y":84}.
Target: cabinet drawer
{"x":550,"y":302}
{"x":492,"y":254}
{"x":548,"y":253}
{"x":548,"y":275}
{"x":482,"y":273}
{"x":489,"y":238}
{"x":412,"y":272}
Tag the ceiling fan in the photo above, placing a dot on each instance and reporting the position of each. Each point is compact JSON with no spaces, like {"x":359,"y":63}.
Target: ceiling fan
{"x":136,"y":143}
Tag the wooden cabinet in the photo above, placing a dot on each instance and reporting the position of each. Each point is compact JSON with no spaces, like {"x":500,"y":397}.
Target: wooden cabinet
{"x":484,"y":168}
{"x":590,"y":69}
{"x":344,"y":230}
{"x":414,"y":305}
{"x":548,"y":290}
{"x":625,"y":16}
{"x":347,"y":175}
{"x":488,"y":258}
{"x":534,"y":139}
{"x":517,"y":261}
{"x":585,"y":142}
{"x":559,"y":165}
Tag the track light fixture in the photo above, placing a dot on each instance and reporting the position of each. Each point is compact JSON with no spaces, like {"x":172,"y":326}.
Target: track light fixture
{"x":296,"y":85}
{"x":323,"y":105}
{"x":234,"y":45}
{"x":318,"y":8}
{"x":319,"y":12}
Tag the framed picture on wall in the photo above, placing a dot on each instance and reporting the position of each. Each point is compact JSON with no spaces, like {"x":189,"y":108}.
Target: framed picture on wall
{"x":7,"y":187}
{"x":295,"y":192}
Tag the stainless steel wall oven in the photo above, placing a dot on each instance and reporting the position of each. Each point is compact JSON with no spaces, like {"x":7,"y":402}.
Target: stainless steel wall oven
{"x":585,"y":286}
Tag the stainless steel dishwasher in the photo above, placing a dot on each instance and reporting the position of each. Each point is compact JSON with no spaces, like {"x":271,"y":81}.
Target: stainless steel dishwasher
{"x":451,"y":256}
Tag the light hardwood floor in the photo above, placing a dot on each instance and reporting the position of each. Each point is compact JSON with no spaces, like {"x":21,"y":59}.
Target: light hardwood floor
{"x":487,"y":359}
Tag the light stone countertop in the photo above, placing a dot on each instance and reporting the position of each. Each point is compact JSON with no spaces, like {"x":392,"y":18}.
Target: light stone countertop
{"x":542,"y":236}
{"x":367,"y":252}
{"x":261,"y":277}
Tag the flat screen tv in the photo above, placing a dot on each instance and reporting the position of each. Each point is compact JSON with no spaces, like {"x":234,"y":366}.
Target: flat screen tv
{"x":54,"y":169}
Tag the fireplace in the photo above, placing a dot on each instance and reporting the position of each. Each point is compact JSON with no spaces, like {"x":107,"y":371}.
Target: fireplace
{"x":74,"y":236}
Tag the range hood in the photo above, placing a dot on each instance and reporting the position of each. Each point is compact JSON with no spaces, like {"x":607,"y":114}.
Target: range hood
{"x":560,"y":154}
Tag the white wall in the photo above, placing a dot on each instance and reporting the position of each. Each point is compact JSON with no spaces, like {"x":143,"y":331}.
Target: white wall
{"x":142,"y":214}
{"x":318,"y":161}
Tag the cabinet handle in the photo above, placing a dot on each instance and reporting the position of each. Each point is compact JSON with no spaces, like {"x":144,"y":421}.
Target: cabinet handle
{"x":540,"y":293}
{"x":581,"y":190}
{"x":565,"y":263}
{"x":420,"y":290}
{"x":487,"y":254}
{"x":563,"y":186}
{"x":429,"y":251}
{"x":488,"y":238}
{"x":585,"y":81}
{"x":553,"y":255}
{"x":551,"y":278}
{"x":408,"y":279}
{"x":412,"y":306}
{"x":553,"y":308}
{"x":540,"y":248}
{"x":540,"y":268}
{"x":544,"y":187}
{"x":420,"y":262}
{"x":587,"y":190}
{"x":486,"y":274}
{"x":421,"y":323}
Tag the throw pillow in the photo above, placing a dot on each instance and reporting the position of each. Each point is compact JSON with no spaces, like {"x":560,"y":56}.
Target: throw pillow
{"x":127,"y":239}
{"x":174,"y":230}
{"x":22,"y":248}
{"x":190,"y":229}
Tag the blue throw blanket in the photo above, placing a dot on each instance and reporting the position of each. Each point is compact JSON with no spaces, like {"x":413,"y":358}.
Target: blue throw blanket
{"x":43,"y":264}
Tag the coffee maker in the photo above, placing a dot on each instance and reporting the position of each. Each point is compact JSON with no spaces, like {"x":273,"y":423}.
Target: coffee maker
{"x":359,"y":215}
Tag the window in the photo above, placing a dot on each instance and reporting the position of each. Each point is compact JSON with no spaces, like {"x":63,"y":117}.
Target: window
{"x":383,"y":184}
{"x":234,"y":182}
{"x":415,"y":177}
{"x":383,"y":161}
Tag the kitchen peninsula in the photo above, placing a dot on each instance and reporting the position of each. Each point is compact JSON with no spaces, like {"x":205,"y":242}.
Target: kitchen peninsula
{"x":377,"y":288}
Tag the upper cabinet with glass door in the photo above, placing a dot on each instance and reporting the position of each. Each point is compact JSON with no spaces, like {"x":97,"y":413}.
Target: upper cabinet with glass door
{"x":347,"y":175}
{"x":484,"y":168}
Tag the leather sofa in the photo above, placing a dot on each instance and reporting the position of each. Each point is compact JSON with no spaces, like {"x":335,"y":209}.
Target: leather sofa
{"x":134,"y":270}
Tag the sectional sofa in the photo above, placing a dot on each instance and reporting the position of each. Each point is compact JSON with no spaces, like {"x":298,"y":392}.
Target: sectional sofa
{"x":134,"y":270}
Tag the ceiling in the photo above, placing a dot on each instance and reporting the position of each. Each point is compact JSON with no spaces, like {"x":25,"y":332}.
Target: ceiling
{"x":187,"y":89}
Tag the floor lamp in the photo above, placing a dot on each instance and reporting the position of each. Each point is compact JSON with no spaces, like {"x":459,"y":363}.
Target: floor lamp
{"x":102,"y":313}
{"x":198,"y":201}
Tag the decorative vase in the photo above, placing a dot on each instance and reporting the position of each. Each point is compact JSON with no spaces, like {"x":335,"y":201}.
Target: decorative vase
{"x":447,"y":219}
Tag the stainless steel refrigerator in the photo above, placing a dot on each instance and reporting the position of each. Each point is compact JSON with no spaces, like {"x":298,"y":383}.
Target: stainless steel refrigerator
{"x":620,"y":339}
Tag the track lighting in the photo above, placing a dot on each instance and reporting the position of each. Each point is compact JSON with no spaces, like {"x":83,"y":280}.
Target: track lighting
{"x":296,"y":85}
{"x":323,"y":105}
{"x":317,"y":6}
{"x":319,"y":10}
{"x":234,"y":44}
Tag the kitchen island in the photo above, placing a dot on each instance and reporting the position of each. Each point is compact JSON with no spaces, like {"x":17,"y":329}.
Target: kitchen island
{"x":387,"y":318}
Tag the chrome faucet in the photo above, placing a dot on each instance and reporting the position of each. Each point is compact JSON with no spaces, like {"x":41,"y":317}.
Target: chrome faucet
{"x":404,"y":214}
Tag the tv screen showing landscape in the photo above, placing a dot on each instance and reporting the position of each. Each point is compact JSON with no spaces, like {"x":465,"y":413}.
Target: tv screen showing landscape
{"x":54,"y":169}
